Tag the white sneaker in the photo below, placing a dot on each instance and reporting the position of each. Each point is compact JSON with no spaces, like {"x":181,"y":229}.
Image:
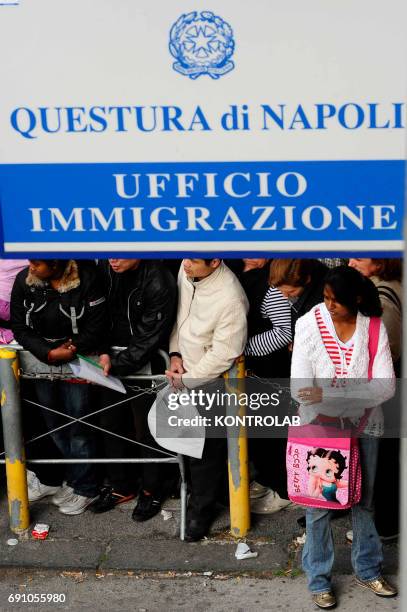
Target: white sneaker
{"x":63,"y":495}
{"x":37,"y":490}
{"x":76,"y":504}
{"x":257,"y":490}
{"x":269,"y":504}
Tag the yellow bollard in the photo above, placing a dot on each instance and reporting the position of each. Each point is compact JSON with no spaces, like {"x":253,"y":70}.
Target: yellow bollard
{"x":238,"y":460}
{"x":13,"y":441}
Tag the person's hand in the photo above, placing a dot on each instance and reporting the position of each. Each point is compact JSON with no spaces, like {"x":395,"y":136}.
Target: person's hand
{"x":174,"y":379}
{"x":176,"y":365}
{"x":310,"y":395}
{"x":63,"y":353}
{"x":105,"y":362}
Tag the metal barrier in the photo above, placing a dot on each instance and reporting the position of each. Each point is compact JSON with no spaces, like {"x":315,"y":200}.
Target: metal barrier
{"x":30,"y":368}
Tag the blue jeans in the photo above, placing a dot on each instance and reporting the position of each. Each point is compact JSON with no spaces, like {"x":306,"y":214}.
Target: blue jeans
{"x":75,"y":441}
{"x":367,"y":555}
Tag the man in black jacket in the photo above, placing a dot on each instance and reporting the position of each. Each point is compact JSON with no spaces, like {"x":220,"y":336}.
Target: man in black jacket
{"x":141,"y":301}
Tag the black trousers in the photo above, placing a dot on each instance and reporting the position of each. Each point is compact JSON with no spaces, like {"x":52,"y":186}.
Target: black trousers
{"x":78,"y":440}
{"x":387,"y":487}
{"x":268,"y":456}
{"x":208,"y":477}
{"x":130,"y":420}
{"x":35,"y":425}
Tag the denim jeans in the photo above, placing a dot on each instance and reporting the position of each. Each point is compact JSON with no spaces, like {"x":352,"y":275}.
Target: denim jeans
{"x":367,"y":556}
{"x":75,"y":441}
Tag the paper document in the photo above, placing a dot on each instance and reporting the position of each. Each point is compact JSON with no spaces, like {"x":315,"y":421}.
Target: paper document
{"x":92,"y":371}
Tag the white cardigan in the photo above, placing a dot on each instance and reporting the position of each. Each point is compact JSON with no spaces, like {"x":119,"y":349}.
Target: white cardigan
{"x":312,"y":366}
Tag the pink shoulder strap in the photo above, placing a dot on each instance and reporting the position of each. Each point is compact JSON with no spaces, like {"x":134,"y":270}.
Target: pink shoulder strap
{"x":374,"y":331}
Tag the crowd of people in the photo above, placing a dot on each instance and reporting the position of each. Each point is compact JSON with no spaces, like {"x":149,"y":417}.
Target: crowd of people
{"x":291,"y":318}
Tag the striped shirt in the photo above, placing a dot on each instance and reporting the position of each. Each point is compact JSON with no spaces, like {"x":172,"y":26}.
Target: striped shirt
{"x":276,"y":308}
{"x":339,"y":352}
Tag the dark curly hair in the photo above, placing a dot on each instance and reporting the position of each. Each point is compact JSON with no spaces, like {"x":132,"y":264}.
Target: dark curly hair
{"x":355,"y":291}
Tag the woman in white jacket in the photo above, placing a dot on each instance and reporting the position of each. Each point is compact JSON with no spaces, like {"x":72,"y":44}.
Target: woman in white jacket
{"x":331,"y":352}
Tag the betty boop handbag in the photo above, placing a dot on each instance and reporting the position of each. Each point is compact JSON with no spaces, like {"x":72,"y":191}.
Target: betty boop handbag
{"x":323,"y":463}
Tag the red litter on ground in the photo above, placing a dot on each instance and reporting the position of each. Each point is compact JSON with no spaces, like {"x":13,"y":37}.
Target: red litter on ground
{"x":40,"y":531}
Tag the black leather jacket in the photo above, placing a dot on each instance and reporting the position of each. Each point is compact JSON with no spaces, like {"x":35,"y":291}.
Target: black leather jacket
{"x":42,"y":318}
{"x":151,"y":301}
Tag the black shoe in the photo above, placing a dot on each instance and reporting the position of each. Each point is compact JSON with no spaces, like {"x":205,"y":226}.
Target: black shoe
{"x":198,"y":525}
{"x":196,"y":530}
{"x":147,"y":507}
{"x":109,"y":499}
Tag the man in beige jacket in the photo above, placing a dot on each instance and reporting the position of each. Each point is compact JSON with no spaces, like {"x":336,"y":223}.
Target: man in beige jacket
{"x":209,"y":334}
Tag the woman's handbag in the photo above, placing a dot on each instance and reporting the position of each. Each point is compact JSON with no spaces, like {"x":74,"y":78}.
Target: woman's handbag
{"x":323,"y":463}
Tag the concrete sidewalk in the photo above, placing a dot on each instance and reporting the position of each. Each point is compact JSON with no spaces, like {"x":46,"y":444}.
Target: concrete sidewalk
{"x":112,"y":541}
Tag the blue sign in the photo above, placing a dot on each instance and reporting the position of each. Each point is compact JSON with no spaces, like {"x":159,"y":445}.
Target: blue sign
{"x":193,"y":208}
{"x":198,"y":132}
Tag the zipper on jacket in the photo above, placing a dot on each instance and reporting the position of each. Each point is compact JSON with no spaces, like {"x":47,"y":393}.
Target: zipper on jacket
{"x":109,"y":291}
{"x":128,"y":300}
{"x":128,"y":309}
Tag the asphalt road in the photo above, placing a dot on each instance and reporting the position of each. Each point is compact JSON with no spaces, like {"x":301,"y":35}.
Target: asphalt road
{"x":154,"y":592}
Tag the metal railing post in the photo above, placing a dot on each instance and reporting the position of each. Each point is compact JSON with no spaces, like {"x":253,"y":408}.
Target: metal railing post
{"x":238,"y":460}
{"x":183,"y":496}
{"x":13,"y":441}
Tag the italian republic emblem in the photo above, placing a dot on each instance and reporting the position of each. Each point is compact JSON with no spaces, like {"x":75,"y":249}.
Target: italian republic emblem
{"x":202,"y":43}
